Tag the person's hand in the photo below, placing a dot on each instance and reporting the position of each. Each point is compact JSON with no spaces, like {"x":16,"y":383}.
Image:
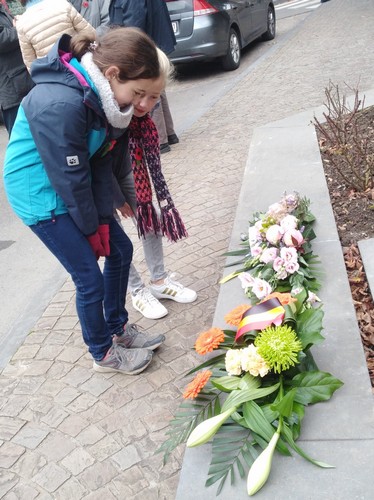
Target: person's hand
{"x":95,"y":241}
{"x":103,"y":231}
{"x":126,"y":211}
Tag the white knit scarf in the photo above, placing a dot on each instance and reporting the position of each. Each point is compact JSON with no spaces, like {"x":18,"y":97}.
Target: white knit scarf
{"x":118,"y":118}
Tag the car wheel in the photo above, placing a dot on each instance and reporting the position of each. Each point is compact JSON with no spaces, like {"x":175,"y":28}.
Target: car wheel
{"x":231,"y":60}
{"x":270,"y":31}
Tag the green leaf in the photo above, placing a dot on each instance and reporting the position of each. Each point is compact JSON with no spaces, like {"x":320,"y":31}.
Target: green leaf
{"x":313,"y":387}
{"x":288,"y":437}
{"x":309,"y":326}
{"x":236,"y":398}
{"x":230,"y":447}
{"x":285,"y":405}
{"x":216,"y":360}
{"x":189,"y":415}
{"x":226,"y":384}
{"x":258,"y":423}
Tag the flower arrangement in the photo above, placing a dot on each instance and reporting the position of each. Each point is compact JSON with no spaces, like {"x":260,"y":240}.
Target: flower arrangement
{"x":251,"y":394}
{"x":277,"y":253}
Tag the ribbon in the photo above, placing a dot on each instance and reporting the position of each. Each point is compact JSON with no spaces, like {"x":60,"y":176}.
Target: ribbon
{"x":260,"y":316}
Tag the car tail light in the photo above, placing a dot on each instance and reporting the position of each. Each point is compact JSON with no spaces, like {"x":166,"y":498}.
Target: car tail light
{"x":202,"y":7}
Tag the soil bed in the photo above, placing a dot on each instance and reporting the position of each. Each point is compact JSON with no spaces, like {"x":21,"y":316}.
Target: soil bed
{"x":354,"y":216}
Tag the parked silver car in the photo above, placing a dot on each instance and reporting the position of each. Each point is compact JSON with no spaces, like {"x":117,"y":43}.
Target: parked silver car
{"x":206,"y":30}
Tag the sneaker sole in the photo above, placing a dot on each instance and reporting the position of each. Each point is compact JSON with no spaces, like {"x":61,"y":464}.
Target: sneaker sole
{"x":149,"y":316}
{"x":170,"y":297}
{"x":108,"y":369}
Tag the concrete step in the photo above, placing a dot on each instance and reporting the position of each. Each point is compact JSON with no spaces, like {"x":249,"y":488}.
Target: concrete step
{"x":284,"y":156}
{"x":366,"y":248}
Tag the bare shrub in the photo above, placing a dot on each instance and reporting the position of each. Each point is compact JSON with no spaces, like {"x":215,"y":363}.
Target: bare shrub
{"x":344,"y":146}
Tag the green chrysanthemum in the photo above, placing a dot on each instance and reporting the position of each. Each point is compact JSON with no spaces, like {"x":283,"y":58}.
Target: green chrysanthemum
{"x":279,"y":346}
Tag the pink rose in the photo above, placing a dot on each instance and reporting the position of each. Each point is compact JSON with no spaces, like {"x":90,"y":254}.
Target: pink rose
{"x":274,"y":234}
{"x":268,"y":255}
{"x":293,"y":238}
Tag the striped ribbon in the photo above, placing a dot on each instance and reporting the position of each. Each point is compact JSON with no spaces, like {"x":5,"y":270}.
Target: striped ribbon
{"x":260,"y":316}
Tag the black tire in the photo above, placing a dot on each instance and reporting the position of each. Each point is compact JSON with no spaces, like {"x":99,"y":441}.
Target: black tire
{"x":231,"y":60}
{"x":270,"y":31}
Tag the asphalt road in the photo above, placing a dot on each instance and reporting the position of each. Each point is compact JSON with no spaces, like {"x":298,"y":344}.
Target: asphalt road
{"x":29,"y":275}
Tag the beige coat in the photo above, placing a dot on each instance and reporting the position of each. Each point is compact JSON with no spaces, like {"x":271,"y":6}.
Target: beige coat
{"x":42,"y":25}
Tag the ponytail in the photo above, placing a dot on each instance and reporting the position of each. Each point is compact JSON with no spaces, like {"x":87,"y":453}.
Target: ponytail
{"x":129,"y":49}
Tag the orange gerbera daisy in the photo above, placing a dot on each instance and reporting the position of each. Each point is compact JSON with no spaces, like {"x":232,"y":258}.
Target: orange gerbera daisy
{"x":208,"y":341}
{"x":234,"y":317}
{"x":194,"y":387}
{"x":284,"y":298}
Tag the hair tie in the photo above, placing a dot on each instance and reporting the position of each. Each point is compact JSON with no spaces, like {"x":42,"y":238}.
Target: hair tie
{"x":93,"y":46}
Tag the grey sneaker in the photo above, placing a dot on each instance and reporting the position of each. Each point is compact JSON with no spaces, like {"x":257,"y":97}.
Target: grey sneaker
{"x":127,"y":361}
{"x":133,"y":337}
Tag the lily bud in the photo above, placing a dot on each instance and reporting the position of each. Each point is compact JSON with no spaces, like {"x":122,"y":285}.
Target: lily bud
{"x":260,"y":470}
{"x":204,"y":431}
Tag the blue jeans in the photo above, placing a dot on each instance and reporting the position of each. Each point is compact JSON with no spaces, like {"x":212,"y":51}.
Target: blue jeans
{"x":96,"y":292}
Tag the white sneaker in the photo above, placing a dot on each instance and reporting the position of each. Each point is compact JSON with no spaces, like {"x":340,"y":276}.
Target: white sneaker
{"x":144,"y":302}
{"x":173,"y":290}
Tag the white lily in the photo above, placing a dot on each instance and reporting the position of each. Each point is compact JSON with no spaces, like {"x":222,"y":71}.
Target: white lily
{"x":204,"y":431}
{"x":260,"y":470}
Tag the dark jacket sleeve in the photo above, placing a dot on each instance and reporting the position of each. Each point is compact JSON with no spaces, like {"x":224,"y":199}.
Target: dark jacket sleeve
{"x":8,"y":34}
{"x":68,"y":166}
{"x":128,"y":13}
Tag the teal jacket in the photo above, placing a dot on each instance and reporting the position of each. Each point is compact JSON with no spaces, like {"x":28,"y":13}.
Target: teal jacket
{"x":56,"y":159}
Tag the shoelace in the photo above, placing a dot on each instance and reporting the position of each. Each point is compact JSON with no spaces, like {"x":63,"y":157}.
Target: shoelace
{"x":147,"y":296}
{"x":170,"y":282}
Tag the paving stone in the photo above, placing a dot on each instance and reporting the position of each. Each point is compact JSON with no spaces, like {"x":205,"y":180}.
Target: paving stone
{"x":100,"y":494}
{"x":7,"y":481}
{"x":55,"y":416}
{"x":29,"y":385}
{"x":59,"y":370}
{"x":9,"y":427}
{"x":82,"y":403}
{"x":67,"y":395}
{"x":56,"y":446}
{"x":59,"y":337}
{"x":77,"y":461}
{"x":72,"y":489}
{"x":90,"y":435}
{"x":157,"y":420}
{"x":66,"y":322}
{"x":26,"y":352}
{"x":105,"y":448}
{"x":29,"y":464}
{"x":96,"y":385}
{"x":127,"y":457}
{"x":139,"y":389}
{"x":21,"y":491}
{"x":13,"y":406}
{"x":30,"y":436}
{"x":51,"y":477}
{"x":98,"y":475}
{"x":77,"y":376}
{"x":38,"y":337}
{"x":73,"y":425}
{"x":96,"y":413}
{"x":51,"y":387}
{"x":40,"y":404}
{"x":131,"y":479}
{"x":9,"y":454}
{"x":71,"y":354}
{"x":115,"y":397}
{"x":49,"y":352}
{"x":160,"y":377}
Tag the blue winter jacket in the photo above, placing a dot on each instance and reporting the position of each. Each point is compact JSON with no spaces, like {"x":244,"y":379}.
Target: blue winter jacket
{"x":55,"y":162}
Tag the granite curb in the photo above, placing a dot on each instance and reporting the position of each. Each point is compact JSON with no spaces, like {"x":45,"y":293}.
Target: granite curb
{"x":287,"y":152}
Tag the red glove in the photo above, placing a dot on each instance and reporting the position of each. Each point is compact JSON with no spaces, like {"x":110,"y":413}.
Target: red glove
{"x":95,"y":241}
{"x":103,"y":231}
